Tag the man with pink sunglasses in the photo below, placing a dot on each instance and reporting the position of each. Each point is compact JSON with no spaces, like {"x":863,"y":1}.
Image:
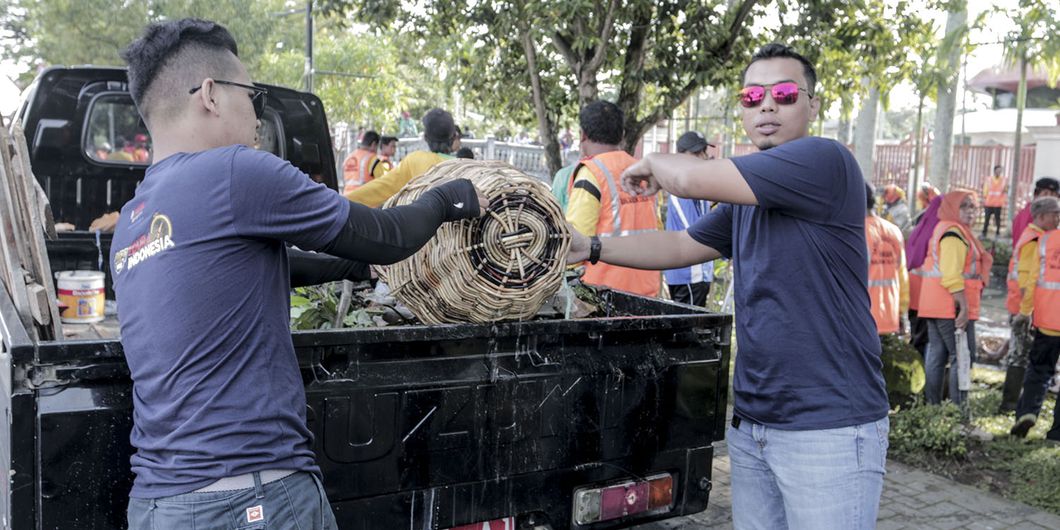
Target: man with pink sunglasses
{"x":808,"y":439}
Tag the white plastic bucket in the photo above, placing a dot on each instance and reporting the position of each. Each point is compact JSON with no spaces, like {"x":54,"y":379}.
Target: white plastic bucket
{"x":83,"y":294}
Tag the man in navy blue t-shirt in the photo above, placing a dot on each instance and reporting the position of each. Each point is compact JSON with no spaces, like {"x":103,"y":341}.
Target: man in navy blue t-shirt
{"x":808,"y":440}
{"x":202,"y":274}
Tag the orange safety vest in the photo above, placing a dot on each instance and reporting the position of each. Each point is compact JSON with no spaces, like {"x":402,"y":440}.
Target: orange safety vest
{"x":1047,"y":291}
{"x":935,"y":300}
{"x":995,"y":193}
{"x":620,"y":214}
{"x":1015,"y":296}
{"x":357,"y":169}
{"x":885,"y":252}
{"x":916,"y":277}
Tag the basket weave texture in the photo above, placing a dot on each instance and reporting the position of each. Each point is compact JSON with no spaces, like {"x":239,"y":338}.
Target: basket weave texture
{"x":502,"y":266}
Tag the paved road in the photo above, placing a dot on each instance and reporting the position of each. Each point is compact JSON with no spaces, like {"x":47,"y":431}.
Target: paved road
{"x":912,"y":499}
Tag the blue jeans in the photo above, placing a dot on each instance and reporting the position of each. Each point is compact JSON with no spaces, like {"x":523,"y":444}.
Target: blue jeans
{"x":294,"y":502}
{"x":942,"y":348}
{"x":814,"y":480}
{"x":1043,"y":356}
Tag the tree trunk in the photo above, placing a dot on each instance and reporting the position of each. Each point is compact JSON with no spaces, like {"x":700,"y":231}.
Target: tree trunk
{"x":914,"y":183}
{"x":865,"y":132}
{"x":1017,"y":156}
{"x":942,"y":147}
{"x":843,"y":133}
{"x":546,"y":127}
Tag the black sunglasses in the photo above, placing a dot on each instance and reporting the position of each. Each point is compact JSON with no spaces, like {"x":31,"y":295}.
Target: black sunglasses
{"x":257,"y":98}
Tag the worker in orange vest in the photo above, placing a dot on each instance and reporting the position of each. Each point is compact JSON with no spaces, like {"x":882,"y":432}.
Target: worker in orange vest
{"x":357,"y":169}
{"x":955,"y":272}
{"x":995,"y":193}
{"x":916,"y":248}
{"x":598,"y":206}
{"x":888,"y":278}
{"x":439,"y":131}
{"x":1022,"y":274}
{"x":1045,"y":269}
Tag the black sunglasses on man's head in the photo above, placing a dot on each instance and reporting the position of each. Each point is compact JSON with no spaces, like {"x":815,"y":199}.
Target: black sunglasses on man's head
{"x":257,"y":97}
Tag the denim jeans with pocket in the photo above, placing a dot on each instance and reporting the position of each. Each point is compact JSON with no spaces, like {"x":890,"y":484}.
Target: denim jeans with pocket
{"x":295,"y":502}
{"x":813,"y":480}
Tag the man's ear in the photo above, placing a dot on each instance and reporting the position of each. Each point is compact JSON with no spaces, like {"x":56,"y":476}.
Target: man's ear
{"x":205,"y":96}
{"x":815,"y":107}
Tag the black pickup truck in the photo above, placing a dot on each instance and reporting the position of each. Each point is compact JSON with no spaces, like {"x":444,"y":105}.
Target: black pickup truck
{"x":581,"y":423}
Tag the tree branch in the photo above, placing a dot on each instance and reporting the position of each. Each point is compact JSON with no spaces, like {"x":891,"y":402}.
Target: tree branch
{"x":605,"y":38}
{"x":564,"y":47}
{"x":737,"y":23}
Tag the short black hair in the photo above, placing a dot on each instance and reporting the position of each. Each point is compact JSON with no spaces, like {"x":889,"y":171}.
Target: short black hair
{"x":465,"y":152}
{"x":387,"y":140}
{"x":870,"y":196}
{"x":999,"y":166}
{"x":369,"y":138}
{"x":1046,"y":184}
{"x":601,"y":121}
{"x":171,"y":57}
{"x":777,"y":50}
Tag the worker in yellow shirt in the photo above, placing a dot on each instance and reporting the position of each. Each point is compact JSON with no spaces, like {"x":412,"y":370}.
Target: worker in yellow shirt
{"x":387,"y":148}
{"x":954,"y":271}
{"x":1022,"y":273}
{"x":888,"y":276}
{"x":1039,"y":278}
{"x":438,"y":132}
{"x":362,"y":166}
{"x":597,"y":205}
{"x":995,"y":195}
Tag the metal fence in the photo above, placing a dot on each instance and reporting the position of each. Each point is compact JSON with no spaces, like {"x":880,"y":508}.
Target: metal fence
{"x":529,"y":159}
{"x":970,"y":166}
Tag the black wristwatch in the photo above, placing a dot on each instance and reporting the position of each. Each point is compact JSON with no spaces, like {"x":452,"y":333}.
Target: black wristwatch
{"x":594,"y":249}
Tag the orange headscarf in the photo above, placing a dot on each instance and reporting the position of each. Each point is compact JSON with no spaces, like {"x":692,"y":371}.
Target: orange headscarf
{"x":950,"y":210}
{"x":892,"y":193}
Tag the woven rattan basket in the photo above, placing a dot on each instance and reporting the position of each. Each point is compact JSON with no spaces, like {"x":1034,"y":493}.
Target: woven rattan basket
{"x":502,"y":266}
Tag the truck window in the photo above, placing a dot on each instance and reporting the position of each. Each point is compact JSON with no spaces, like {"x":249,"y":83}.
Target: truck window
{"x":114,"y":133}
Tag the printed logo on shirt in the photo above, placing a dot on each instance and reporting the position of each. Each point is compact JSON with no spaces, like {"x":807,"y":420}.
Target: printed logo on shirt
{"x":255,"y":514}
{"x":158,"y":239}
{"x":136,"y":212}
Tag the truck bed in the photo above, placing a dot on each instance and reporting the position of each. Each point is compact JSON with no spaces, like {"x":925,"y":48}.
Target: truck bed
{"x":423,"y":427}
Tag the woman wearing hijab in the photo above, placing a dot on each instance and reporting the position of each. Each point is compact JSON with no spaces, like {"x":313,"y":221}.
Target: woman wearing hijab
{"x":895,"y":210}
{"x":925,"y":195}
{"x":954,"y":273}
{"x":916,"y":247}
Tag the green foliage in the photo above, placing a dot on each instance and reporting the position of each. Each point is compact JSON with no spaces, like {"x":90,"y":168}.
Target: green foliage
{"x":1036,"y":478}
{"x":903,"y":371}
{"x":71,"y":32}
{"x":1025,"y":470}
{"x":927,"y":430}
{"x":315,"y":308}
{"x":1036,"y":35}
{"x":385,"y":86}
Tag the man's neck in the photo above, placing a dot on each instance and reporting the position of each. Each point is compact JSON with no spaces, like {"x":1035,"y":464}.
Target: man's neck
{"x":591,"y":148}
{"x":167,"y":143}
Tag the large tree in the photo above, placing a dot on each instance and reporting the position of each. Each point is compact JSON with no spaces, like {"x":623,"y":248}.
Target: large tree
{"x":650,"y":54}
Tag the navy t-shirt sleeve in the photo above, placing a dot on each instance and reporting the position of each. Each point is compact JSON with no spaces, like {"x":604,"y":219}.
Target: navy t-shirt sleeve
{"x":272,"y":199}
{"x":715,"y":229}
{"x":803,"y":178}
